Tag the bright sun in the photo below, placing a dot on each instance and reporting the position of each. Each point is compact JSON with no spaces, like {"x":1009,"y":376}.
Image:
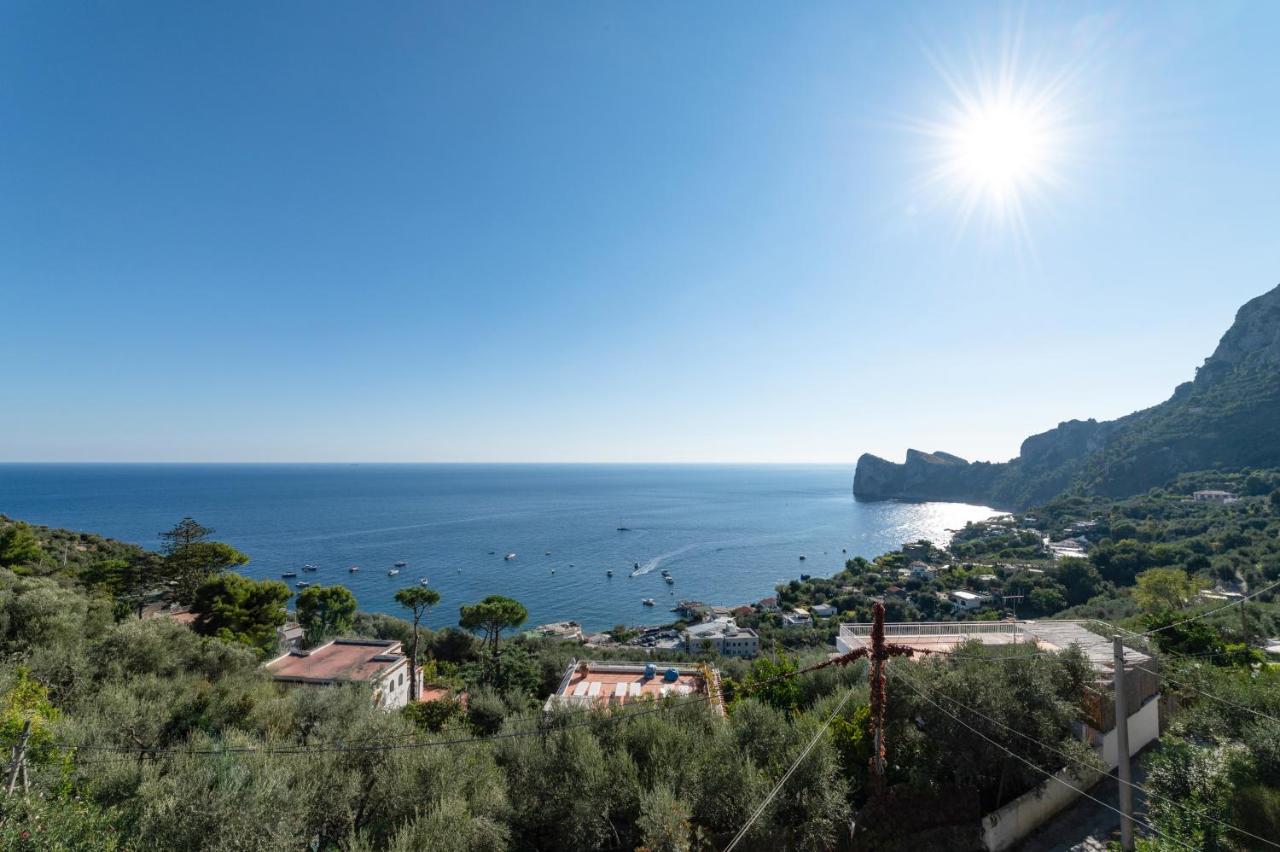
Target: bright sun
{"x":1002,"y":143}
{"x":999,"y":149}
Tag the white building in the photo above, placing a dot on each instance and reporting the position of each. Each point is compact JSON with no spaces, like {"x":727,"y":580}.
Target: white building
{"x":724,"y":636}
{"x":797,"y":618}
{"x":1075,"y":548}
{"x":922,"y":571}
{"x":381,"y":663}
{"x":969,"y":601}
{"x":823,"y":610}
{"x":1214,"y":496}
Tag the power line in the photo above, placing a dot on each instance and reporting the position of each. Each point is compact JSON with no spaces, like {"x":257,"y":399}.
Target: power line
{"x":546,"y":724}
{"x":374,"y":746}
{"x":1044,"y":772}
{"x":1079,"y":762}
{"x":1217,"y":698}
{"x":1212,"y":611}
{"x":742,"y":832}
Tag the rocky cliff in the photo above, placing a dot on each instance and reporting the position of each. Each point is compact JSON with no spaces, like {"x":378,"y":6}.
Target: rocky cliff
{"x":1228,"y":418}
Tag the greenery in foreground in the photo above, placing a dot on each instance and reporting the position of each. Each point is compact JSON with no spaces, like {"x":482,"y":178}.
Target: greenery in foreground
{"x":188,"y":718}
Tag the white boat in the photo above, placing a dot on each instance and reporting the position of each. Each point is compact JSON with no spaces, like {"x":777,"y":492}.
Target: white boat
{"x":609,"y":573}
{"x":401,"y":564}
{"x":647,"y":601}
{"x":354,"y":568}
{"x":670,"y":580}
{"x":302,"y":584}
{"x":423,"y":581}
{"x":288,"y":574}
{"x":309,"y":567}
{"x":393,"y":572}
{"x":509,"y":557}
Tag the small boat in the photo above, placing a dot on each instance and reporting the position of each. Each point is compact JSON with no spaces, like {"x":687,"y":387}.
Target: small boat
{"x":546,"y":553}
{"x":647,"y":601}
{"x":671,"y":581}
{"x":309,"y":567}
{"x":302,"y":584}
{"x":804,"y":578}
{"x":801,"y":557}
{"x":422,"y":581}
{"x":401,"y":564}
{"x":493,"y":553}
{"x":609,"y":573}
{"x":509,"y":557}
{"x":354,"y":568}
{"x":553,"y":570}
{"x":393,"y":572}
{"x":289,"y":574}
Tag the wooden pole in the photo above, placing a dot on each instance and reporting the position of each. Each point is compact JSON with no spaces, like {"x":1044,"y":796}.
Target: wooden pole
{"x":17,"y":765}
{"x":1122,"y":752}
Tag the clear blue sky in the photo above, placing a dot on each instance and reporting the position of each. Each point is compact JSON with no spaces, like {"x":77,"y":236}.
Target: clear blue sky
{"x":601,"y":231}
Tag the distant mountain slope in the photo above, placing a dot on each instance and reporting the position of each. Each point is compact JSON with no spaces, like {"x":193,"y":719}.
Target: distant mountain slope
{"x":1227,"y":418}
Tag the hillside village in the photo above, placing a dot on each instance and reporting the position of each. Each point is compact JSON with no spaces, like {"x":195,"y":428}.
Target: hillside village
{"x":1184,"y":572}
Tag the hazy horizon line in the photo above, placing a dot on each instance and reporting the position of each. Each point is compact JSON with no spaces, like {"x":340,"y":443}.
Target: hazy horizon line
{"x":4,"y":462}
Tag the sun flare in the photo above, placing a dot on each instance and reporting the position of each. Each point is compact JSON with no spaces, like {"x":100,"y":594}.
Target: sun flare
{"x":1001,"y":144}
{"x":999,"y":148}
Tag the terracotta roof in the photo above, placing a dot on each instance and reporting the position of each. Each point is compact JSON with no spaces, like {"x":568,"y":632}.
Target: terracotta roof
{"x":339,"y":660}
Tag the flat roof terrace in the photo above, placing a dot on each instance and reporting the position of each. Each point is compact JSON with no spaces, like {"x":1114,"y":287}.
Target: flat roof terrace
{"x":943,"y":636}
{"x":588,"y":683}
{"x":338,"y":660}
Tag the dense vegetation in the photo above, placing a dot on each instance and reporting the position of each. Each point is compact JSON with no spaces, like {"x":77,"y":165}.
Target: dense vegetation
{"x":150,"y":734}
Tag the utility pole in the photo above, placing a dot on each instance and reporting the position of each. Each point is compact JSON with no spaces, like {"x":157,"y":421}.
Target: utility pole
{"x":881,"y":651}
{"x":1122,"y":751}
{"x":18,"y":761}
{"x":1244,"y":622}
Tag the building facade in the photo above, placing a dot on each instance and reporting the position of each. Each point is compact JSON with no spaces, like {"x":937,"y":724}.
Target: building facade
{"x":380,"y":663}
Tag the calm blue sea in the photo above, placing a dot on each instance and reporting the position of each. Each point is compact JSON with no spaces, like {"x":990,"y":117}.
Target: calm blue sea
{"x":728,"y":534}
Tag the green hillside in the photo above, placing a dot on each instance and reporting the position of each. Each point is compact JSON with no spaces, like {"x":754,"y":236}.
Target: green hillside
{"x":1227,"y":418}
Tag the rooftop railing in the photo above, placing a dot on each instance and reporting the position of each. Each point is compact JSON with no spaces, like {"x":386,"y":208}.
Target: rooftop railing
{"x":935,"y":628}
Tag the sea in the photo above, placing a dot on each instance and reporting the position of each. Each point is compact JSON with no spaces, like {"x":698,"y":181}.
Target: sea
{"x":727,"y":534}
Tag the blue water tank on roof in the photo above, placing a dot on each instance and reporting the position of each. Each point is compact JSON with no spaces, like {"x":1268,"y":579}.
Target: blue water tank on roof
{"x":671,"y":676}
{"x":650,"y":670}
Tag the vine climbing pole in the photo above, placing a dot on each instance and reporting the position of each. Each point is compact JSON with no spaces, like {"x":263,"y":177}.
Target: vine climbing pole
{"x":879,"y":651}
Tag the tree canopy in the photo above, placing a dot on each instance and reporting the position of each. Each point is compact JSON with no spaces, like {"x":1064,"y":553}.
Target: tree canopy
{"x":184,"y":533}
{"x":238,"y":609}
{"x":418,"y":600}
{"x":18,"y":545}
{"x":491,"y":616}
{"x":189,"y":566}
{"x":325,"y":612}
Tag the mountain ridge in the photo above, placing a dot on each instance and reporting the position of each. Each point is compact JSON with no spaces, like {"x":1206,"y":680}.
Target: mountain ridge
{"x":1226,"y":417}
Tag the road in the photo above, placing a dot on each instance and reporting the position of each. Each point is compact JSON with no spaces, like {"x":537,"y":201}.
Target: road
{"x":1087,"y":826}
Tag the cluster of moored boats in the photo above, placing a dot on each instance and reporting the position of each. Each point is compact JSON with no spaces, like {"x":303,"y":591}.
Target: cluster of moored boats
{"x":509,"y":557}
{"x":351,"y":569}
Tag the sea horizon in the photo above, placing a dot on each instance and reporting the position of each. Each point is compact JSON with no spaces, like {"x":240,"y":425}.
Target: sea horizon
{"x":728,"y":533}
